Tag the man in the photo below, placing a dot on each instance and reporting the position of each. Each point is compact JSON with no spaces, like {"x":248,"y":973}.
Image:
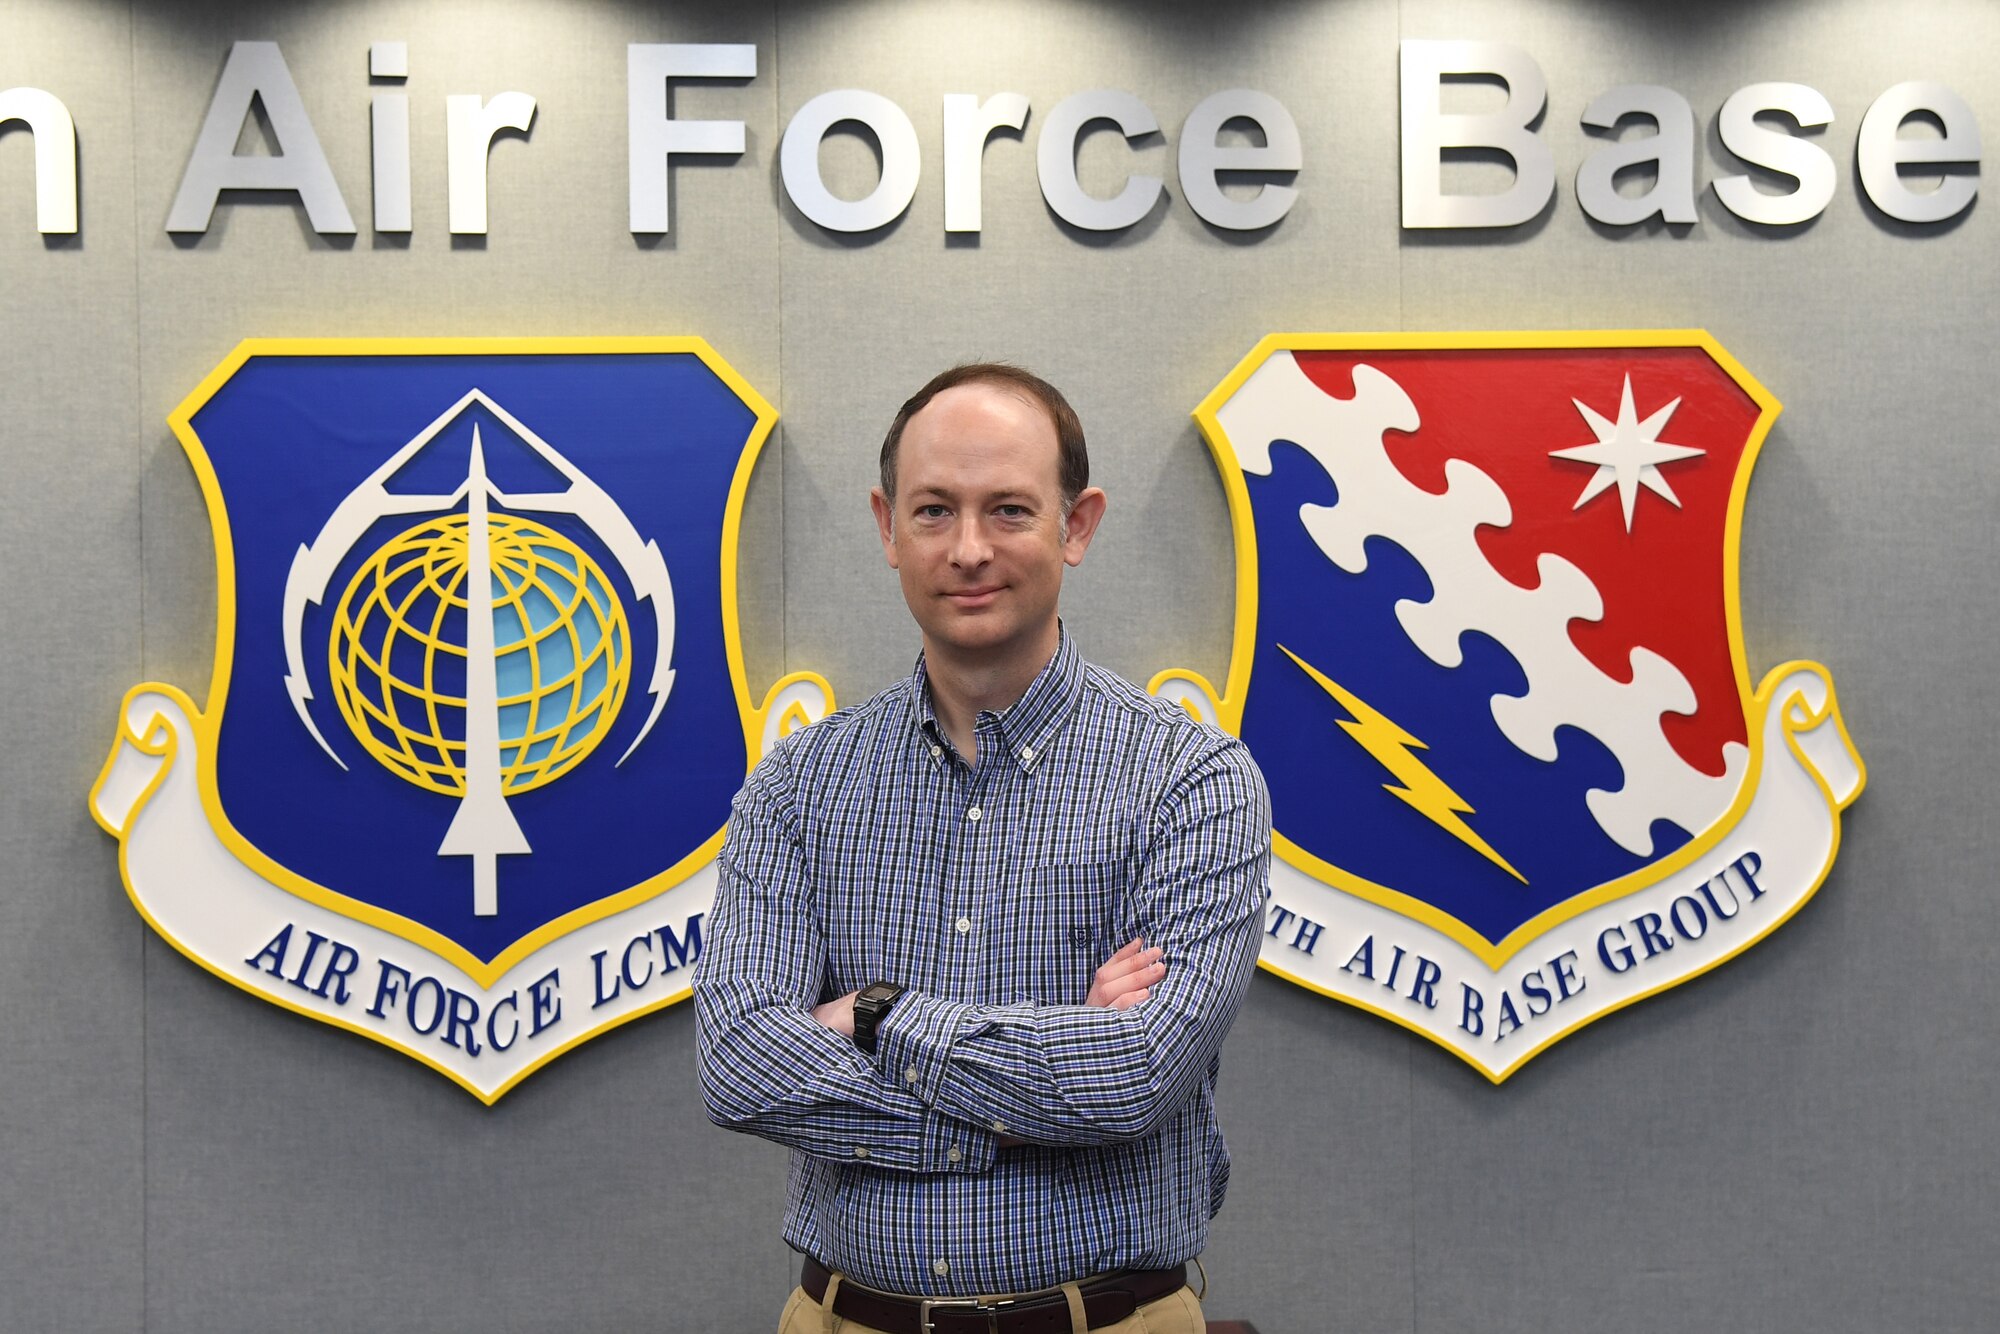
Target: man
{"x":977,"y":941}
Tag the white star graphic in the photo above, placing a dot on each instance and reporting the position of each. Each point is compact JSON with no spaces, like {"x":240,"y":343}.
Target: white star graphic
{"x":1628,"y":452}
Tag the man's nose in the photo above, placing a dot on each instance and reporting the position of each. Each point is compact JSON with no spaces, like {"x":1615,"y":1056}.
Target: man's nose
{"x":970,"y":545}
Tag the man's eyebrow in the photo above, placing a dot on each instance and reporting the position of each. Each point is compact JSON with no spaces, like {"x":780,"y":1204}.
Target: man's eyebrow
{"x":926,"y":494}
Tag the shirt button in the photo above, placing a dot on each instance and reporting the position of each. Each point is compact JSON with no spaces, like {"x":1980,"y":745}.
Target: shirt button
{"x":972,"y":814}
{"x":1027,"y":754}
{"x":999,"y":1127}
{"x":936,"y":751}
{"x":861,"y":1151}
{"x":940,"y":1267}
{"x":952,"y":1154}
{"x":964,"y":925}
{"x":911,"y":1075}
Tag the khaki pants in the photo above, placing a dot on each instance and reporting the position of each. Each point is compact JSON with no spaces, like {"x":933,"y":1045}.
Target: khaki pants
{"x":1175,"y":1313}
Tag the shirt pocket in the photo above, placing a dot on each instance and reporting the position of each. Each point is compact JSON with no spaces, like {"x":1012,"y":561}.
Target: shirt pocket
{"x":1060,"y":923}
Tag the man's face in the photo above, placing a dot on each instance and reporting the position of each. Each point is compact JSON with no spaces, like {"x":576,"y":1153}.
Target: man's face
{"x":976,"y":530}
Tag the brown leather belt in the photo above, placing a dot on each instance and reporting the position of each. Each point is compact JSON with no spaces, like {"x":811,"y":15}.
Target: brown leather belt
{"x":1106,"y":1301}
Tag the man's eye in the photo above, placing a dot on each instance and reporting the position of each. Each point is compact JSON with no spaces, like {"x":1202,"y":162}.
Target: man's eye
{"x":930,"y":511}
{"x":1012,"y":511}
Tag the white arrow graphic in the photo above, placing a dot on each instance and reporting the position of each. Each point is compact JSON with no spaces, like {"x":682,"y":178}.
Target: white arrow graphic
{"x":484,"y":828}
{"x":313,"y":565}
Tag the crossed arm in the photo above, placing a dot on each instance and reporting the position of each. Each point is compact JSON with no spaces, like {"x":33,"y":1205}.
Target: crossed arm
{"x":952,"y":1082}
{"x":1121,"y":982}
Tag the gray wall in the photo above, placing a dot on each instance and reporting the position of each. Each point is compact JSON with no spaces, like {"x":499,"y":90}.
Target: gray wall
{"x":1803,"y":1139}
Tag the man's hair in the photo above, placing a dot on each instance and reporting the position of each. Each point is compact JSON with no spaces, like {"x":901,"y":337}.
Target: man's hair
{"x":1072,"y":460}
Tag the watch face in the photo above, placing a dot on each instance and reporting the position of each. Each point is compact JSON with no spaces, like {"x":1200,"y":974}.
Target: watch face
{"x":880,"y":991}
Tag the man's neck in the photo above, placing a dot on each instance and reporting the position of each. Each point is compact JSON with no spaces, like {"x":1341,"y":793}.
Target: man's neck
{"x":964,"y":686}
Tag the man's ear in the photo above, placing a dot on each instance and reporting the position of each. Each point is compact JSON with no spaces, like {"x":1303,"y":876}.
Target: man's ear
{"x":885,"y":524}
{"x":1084,"y":516}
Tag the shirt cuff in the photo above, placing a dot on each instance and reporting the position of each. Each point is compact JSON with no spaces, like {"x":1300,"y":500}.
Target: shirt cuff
{"x":953,"y":1146}
{"x":913,"y":1046}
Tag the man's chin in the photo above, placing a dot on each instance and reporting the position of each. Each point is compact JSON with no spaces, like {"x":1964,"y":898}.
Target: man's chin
{"x":968,"y":635}
{"x":970,"y":632}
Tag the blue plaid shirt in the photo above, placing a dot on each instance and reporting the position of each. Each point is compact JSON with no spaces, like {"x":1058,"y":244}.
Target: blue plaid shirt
{"x":864,"y":848}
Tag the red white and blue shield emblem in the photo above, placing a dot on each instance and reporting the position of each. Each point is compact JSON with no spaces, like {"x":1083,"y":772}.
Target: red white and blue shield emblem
{"x":478,"y":706}
{"x":1488,"y":655}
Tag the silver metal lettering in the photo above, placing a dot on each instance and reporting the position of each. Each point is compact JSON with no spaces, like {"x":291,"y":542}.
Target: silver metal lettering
{"x":968,"y":124}
{"x":55,"y":155}
{"x":654,"y":138}
{"x":256,"y":71}
{"x":389,"y":137}
{"x":1881,"y":150}
{"x":1201,"y":158}
{"x":1428,"y":132}
{"x":1670,"y":148}
{"x":1777,"y":151}
{"x":469,"y":129}
{"x":1055,"y":160}
{"x":798,"y":160}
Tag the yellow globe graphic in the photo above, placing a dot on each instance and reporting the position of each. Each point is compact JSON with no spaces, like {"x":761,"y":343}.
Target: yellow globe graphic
{"x":562,"y":652}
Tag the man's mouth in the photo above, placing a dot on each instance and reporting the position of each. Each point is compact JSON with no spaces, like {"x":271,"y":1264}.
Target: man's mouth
{"x":973,"y":597}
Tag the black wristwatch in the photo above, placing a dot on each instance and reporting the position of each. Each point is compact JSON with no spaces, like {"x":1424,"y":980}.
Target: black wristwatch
{"x":870,"y":1005}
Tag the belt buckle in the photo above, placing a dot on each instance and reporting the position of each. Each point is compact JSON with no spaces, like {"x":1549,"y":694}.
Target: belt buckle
{"x":969,"y":1305}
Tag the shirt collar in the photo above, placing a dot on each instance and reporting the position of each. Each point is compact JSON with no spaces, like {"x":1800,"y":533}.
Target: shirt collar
{"x":1025,"y":727}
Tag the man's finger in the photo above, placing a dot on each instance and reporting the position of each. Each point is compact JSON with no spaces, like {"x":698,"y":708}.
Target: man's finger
{"x":1107,"y":991}
{"x":1122,"y":962}
{"x":1131,"y":998}
{"x":1121,"y":967}
{"x":1136,"y":974}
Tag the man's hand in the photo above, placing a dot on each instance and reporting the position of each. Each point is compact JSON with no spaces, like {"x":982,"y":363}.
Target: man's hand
{"x":1127,"y":977}
{"x":837,"y":1015}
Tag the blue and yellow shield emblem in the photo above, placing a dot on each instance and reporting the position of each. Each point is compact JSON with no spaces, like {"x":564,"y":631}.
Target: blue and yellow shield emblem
{"x":478,"y":706}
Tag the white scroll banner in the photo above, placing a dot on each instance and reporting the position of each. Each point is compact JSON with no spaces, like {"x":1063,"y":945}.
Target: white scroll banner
{"x":213,"y":908}
{"x":1759,"y":872}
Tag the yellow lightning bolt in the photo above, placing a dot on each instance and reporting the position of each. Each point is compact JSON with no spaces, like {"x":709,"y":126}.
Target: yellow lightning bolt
{"x":1391,"y":746}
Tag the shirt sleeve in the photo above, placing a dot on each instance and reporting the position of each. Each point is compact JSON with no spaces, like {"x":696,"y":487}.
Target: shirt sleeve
{"x":767,"y":1066}
{"x":1072,"y":1075}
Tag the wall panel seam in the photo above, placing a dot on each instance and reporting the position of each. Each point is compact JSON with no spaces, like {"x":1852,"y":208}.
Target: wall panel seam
{"x":783,"y":434}
{"x":138,"y":447}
